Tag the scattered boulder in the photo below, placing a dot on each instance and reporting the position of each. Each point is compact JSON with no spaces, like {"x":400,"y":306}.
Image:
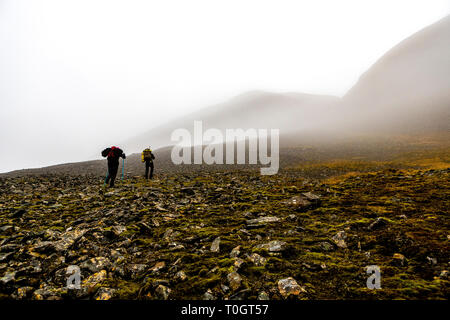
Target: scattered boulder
{"x":209,"y":295}
{"x":238,"y":262}
{"x":137,"y":270}
{"x":95,"y":279}
{"x":180,"y":276}
{"x":339,"y":239}
{"x":273,"y":246}
{"x":24,"y":292}
{"x":257,"y":260}
{"x":215,"y":246}
{"x":158,"y":267}
{"x":105,"y":293}
{"x":261,"y":221}
{"x":325,"y":246}
{"x":96,"y":264}
{"x":289,"y":286}
{"x":398,"y":260}
{"x":432,"y":261}
{"x":303,"y":202}
{"x":444,"y":275}
{"x":8,"y":278}
{"x":311,"y":196}
{"x":263,"y":296}
{"x":235,"y":252}
{"x":68,"y":239}
{"x":234,"y":280}
{"x":162,"y":292}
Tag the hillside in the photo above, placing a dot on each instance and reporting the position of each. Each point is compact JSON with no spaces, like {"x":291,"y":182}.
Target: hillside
{"x":265,"y":110}
{"x":407,"y":89}
{"x":306,"y":233}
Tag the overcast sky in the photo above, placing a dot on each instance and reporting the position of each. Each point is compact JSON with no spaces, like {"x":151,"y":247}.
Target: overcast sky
{"x":76,"y":76}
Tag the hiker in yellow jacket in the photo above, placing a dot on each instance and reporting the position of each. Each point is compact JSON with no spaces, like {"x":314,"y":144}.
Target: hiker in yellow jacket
{"x":148,"y":157}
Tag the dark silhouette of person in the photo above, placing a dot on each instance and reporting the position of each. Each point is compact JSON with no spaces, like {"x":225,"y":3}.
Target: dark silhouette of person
{"x":112,"y":154}
{"x":148,"y":157}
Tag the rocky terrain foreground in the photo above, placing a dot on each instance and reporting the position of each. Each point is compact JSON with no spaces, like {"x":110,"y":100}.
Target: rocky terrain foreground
{"x":307,"y":233}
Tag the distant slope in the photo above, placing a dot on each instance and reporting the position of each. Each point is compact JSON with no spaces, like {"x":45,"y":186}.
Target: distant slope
{"x":261,"y":110}
{"x":408,"y":88}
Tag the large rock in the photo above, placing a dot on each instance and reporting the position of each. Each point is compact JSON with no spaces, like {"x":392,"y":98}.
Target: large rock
{"x":96,"y":264}
{"x":105,"y":293}
{"x":261,"y":221}
{"x":234,"y":280}
{"x":95,"y":279}
{"x":339,"y":239}
{"x":215,"y":246}
{"x":273,"y":246}
{"x":162,"y":292}
{"x":300,"y":203}
{"x":235,"y":252}
{"x":289,"y":286}
{"x":258,"y":260}
{"x":68,"y":239}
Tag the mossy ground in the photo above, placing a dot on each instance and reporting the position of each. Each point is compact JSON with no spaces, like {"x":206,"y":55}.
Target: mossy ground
{"x":412,"y":198}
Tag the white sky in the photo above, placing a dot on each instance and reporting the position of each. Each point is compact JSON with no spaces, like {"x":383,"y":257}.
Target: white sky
{"x":76,"y":76}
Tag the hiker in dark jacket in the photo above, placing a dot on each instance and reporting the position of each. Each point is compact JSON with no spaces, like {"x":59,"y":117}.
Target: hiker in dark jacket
{"x":113,"y":154}
{"x":148,"y":157}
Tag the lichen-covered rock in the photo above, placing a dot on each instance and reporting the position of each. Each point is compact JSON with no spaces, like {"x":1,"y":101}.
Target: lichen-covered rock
{"x":234,"y":280}
{"x":399,"y":260}
{"x":8,"y":278}
{"x":209,"y":295}
{"x":289,"y":286}
{"x":95,"y":279}
{"x":162,"y":292}
{"x":263,"y":296}
{"x":299,"y":203}
{"x":105,"y":293}
{"x":96,"y":264}
{"x":273,"y":246}
{"x":24,"y":292}
{"x":158,"y":267}
{"x":235,"y":252}
{"x":180,"y":276}
{"x":261,"y":221}
{"x":215,"y":246}
{"x":339,"y":239}
{"x":258,"y":260}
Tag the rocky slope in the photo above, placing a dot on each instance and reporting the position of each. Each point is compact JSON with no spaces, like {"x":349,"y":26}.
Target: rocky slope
{"x":306,"y":233}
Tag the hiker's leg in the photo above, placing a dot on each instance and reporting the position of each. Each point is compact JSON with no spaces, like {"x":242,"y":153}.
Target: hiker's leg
{"x":108,"y":174}
{"x":113,"y":174}
{"x":151,"y":170}
{"x":146,"y":170}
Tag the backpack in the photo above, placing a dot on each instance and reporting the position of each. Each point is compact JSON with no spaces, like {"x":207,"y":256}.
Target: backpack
{"x":147,"y":155}
{"x":112,"y":152}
